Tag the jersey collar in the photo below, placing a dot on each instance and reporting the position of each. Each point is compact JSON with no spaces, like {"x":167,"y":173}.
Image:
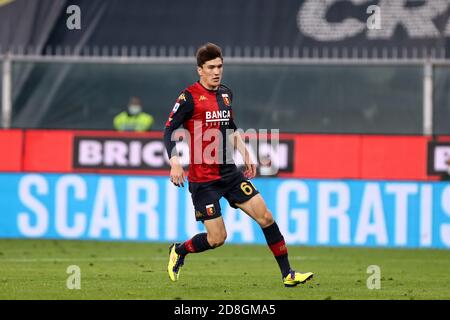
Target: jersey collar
{"x":209,"y":90}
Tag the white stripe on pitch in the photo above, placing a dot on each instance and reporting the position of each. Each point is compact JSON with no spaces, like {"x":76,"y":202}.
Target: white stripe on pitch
{"x":106,"y":259}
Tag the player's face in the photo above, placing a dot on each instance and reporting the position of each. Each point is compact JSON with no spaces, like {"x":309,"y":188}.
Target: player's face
{"x":211,"y":73}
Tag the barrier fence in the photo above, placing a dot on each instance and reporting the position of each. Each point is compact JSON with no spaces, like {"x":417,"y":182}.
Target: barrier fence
{"x":293,"y":94}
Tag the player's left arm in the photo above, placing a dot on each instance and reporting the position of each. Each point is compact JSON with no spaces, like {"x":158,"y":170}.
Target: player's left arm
{"x":250,"y":165}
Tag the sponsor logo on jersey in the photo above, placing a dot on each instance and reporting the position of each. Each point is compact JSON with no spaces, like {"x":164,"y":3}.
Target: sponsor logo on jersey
{"x":182,"y":97}
{"x":221,"y":115}
{"x":202,"y":98}
{"x":210,"y":209}
{"x":226,"y":99}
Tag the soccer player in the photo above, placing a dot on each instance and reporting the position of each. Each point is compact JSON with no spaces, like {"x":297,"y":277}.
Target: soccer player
{"x":205,"y":108}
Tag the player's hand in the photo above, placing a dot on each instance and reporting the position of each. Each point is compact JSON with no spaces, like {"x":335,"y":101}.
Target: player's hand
{"x":250,"y":170}
{"x":177,"y":176}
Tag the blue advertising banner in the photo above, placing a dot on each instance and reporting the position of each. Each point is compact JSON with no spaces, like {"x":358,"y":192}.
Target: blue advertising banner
{"x":309,"y":212}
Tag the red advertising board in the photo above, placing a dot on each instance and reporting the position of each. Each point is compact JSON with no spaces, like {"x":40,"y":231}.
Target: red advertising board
{"x":47,"y":151}
{"x":301,"y":155}
{"x":11,"y":148}
{"x":394,"y":157}
{"x":330,"y":156}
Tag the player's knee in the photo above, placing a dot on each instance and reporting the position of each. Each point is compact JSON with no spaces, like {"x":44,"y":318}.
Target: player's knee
{"x":218,"y":239}
{"x":266,"y":219}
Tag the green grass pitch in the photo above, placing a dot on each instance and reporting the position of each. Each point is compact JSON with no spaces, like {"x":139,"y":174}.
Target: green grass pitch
{"x":37,"y":269}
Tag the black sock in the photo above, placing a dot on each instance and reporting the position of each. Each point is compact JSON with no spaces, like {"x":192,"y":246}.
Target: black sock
{"x":198,"y":243}
{"x":277,"y":245}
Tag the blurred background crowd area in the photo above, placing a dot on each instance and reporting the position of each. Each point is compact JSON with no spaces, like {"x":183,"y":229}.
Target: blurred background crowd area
{"x":300,"y":66}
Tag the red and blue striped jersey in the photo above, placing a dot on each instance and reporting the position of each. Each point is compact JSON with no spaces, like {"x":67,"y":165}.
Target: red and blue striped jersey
{"x":207,"y":116}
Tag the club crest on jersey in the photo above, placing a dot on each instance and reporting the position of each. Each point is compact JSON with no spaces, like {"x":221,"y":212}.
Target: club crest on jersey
{"x":210,"y":209}
{"x":226,"y":99}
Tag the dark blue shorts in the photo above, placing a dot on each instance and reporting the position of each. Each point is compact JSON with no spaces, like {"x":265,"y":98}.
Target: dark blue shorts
{"x":206,"y":195}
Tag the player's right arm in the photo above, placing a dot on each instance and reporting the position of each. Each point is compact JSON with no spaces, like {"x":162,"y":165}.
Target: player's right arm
{"x":181,"y":112}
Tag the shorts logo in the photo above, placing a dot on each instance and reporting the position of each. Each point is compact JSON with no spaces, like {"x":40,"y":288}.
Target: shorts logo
{"x":198,"y":214}
{"x":210,"y":209}
{"x":226,"y":99}
{"x":202,"y":98}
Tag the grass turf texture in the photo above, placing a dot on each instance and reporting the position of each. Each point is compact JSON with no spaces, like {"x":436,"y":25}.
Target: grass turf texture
{"x":36,"y":269}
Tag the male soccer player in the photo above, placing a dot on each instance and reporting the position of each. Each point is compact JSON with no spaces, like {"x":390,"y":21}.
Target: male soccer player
{"x":205,"y":108}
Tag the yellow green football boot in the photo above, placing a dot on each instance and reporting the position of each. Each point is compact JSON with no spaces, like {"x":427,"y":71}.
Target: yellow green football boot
{"x":176,"y":261}
{"x":294,"y":278}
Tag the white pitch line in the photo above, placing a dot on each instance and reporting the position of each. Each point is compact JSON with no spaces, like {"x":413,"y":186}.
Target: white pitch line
{"x":66,"y":259}
{"x":106,"y":259}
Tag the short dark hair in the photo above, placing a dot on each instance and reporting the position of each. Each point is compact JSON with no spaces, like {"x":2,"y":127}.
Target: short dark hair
{"x":135,"y":100}
{"x":208,"y":51}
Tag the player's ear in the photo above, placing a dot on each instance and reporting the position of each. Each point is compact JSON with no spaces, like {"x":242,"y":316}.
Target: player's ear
{"x":199,"y":71}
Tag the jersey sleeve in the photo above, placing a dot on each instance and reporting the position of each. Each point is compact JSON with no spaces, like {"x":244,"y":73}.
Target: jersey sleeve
{"x":232,"y":122}
{"x":181,"y":112}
